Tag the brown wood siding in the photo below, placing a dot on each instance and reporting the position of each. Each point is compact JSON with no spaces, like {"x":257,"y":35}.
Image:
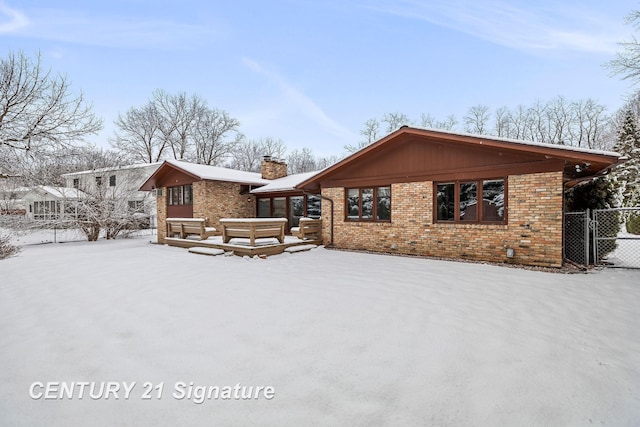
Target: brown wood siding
{"x":411,"y":155}
{"x":412,"y":159}
{"x":180,"y":211}
{"x":173,"y":178}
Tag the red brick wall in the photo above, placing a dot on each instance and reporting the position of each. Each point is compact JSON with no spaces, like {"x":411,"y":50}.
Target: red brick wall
{"x":534,"y":227}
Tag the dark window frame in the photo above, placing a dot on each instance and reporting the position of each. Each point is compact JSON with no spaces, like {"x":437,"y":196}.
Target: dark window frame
{"x":181,"y":199}
{"x":306,"y":203}
{"x":374,"y":211}
{"x":480,"y":206}
{"x":112,"y":180}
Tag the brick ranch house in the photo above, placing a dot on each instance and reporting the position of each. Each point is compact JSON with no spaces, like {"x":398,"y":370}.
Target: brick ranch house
{"x":415,"y":192}
{"x":443,"y":194}
{"x":187,"y":190}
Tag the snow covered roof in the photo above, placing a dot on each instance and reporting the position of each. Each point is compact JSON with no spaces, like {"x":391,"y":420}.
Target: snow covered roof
{"x":115,"y":168}
{"x":202,"y":172}
{"x":217,"y":173}
{"x":59,"y":192}
{"x":286,"y":183}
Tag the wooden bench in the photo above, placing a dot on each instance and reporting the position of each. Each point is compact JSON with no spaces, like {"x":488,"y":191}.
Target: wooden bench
{"x":309,"y":229}
{"x":253,"y":228}
{"x":190,"y":226}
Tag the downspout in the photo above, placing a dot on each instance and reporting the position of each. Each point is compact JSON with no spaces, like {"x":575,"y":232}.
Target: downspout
{"x":331,"y":202}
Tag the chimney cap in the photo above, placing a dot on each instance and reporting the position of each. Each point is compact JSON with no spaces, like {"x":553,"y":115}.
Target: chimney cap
{"x":267,"y":158}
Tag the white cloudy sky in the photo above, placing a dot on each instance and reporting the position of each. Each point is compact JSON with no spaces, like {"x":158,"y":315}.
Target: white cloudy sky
{"x":311,"y":72}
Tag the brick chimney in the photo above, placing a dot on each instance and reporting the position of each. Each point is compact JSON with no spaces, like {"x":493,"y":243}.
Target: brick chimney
{"x":273,"y":169}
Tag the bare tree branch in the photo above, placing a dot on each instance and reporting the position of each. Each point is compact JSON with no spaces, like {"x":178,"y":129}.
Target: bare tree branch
{"x":38,"y":113}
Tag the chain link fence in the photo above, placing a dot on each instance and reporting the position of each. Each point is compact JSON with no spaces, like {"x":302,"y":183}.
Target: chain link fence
{"x":616,"y":236}
{"x":605,"y":237}
{"x":25,"y":232}
{"x":576,"y":237}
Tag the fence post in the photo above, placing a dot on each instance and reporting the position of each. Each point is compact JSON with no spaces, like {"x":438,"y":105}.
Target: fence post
{"x":595,"y":237}
{"x":587,"y":220}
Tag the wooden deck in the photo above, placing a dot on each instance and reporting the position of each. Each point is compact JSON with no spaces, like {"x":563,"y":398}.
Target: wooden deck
{"x":241,"y":246}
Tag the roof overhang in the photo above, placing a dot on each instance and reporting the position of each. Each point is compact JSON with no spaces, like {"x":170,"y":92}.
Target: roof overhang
{"x":579,"y":163}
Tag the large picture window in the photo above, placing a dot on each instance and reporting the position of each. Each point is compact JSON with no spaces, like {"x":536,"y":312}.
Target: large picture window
{"x":368,"y":204}
{"x":458,"y":201}
{"x":291,"y":207}
{"x":180,"y":195}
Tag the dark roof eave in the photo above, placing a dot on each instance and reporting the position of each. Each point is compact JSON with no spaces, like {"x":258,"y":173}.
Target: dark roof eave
{"x":559,"y":152}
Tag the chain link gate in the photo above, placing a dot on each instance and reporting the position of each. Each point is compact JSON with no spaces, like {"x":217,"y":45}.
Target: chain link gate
{"x":616,"y":237}
{"x":576,"y":237}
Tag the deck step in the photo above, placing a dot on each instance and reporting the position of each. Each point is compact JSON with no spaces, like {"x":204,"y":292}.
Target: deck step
{"x":300,"y":248}
{"x":206,"y":251}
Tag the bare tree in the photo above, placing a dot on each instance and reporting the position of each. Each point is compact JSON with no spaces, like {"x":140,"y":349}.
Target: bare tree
{"x":138,"y":135}
{"x":87,"y":205}
{"x":502,"y":122}
{"x":428,"y":121}
{"x":561,"y":117}
{"x":519,"y":123}
{"x":299,"y":161}
{"x":38,"y":112}
{"x":395,"y":121}
{"x":178,"y":115}
{"x":477,"y":119}
{"x":248,"y":155}
{"x":592,"y":125}
{"x":178,"y":126}
{"x":627,"y":62}
{"x":582,"y":123}
{"x":272,"y":147}
{"x":211,"y":129}
{"x":371,"y":133}
{"x":538,"y":122}
{"x":49,"y":170}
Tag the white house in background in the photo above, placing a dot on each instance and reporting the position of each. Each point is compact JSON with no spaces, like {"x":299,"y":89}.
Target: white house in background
{"x":12,"y":198}
{"x":47,"y":203}
{"x":118,"y":183}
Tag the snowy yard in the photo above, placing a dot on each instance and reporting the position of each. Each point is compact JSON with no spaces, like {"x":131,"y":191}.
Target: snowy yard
{"x":344,"y":339}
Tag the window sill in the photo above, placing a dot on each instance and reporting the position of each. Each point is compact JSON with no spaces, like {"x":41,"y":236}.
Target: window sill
{"x":366,"y":221}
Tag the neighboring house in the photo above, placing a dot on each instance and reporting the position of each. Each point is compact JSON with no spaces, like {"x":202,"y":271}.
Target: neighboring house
{"x":121,"y":183}
{"x":442,"y":194}
{"x":45,"y":203}
{"x":11,"y":195}
{"x":186,"y":190}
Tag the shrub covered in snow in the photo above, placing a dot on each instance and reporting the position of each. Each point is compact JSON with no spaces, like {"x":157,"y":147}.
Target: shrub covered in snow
{"x":6,"y":248}
{"x":633,"y":223}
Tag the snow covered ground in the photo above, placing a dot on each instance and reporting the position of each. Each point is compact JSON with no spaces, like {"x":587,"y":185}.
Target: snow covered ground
{"x":37,"y":237}
{"x":343,"y":338}
{"x":627,"y":252}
